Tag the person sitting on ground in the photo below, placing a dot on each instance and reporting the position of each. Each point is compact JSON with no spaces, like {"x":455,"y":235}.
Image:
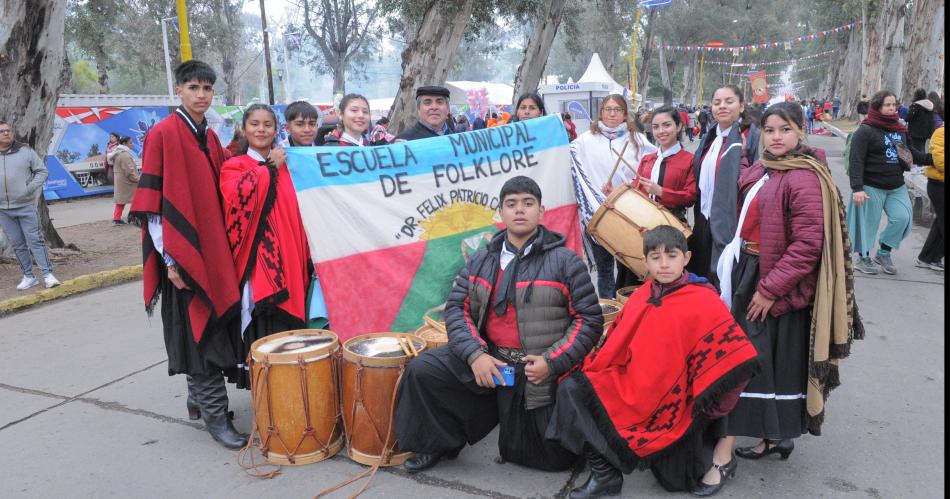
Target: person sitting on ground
{"x":641,"y":399}
{"x":21,"y":185}
{"x":432,"y":107}
{"x":302,"y":121}
{"x":125,"y":177}
{"x":525,"y":301}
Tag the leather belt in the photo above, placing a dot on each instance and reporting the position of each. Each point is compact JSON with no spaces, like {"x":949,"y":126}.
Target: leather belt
{"x":510,"y":355}
{"x":750,"y":247}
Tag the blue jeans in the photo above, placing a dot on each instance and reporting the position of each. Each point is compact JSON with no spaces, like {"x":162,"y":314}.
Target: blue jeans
{"x":604,"y":264}
{"x":22,"y":227}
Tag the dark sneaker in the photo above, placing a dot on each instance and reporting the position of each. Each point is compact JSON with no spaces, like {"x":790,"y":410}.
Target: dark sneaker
{"x":928,"y":265}
{"x":884,"y":260}
{"x":864,"y":265}
{"x":118,"y":222}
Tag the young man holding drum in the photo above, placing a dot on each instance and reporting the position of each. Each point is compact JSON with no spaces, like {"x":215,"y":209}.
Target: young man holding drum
{"x":526,"y":302}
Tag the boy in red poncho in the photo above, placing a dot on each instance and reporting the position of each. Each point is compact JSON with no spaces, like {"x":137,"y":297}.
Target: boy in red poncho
{"x":184,"y":246}
{"x":672,"y":363}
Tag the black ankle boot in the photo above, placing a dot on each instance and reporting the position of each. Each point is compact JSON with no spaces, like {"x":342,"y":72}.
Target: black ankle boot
{"x":420,"y":461}
{"x":212,"y":396}
{"x":604,"y":479}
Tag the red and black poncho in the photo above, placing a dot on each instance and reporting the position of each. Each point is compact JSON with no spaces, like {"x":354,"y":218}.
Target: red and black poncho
{"x":179,"y":182}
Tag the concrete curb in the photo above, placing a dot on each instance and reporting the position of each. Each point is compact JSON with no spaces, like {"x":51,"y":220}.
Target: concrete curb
{"x":71,"y":287}
{"x":835,"y":130}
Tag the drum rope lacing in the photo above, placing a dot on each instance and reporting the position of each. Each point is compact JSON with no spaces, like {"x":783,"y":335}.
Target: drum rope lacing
{"x":387,"y":449}
{"x":272,"y":431}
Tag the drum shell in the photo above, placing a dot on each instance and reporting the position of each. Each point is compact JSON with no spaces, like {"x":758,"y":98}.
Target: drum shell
{"x":281,"y":379}
{"x":434,"y":338}
{"x":368,"y":385}
{"x":618,"y":225}
{"x":623,"y":294}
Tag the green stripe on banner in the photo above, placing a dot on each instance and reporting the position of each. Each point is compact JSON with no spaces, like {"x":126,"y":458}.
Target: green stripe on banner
{"x":442,"y":261}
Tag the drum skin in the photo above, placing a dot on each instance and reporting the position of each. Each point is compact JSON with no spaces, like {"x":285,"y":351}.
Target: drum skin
{"x":618,"y":225}
{"x":434,"y":338}
{"x":623,"y":294}
{"x":296,"y":400}
{"x":368,"y":385}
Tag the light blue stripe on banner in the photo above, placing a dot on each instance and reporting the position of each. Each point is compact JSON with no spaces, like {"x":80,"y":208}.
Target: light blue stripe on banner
{"x":487,"y":152}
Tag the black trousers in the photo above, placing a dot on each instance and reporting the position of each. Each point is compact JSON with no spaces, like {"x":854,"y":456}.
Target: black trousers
{"x":440,"y":407}
{"x":933,"y":249}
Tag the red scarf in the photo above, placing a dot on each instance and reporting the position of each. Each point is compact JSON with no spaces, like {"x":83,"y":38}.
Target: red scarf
{"x":889,"y":122}
{"x":179,"y":182}
{"x":266,"y":235}
{"x":673,"y":351}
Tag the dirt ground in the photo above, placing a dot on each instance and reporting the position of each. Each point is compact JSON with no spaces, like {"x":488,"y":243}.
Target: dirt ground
{"x":101,"y":247}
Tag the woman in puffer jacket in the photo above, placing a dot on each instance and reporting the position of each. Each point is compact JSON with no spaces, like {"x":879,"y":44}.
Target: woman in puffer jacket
{"x":786,"y":270}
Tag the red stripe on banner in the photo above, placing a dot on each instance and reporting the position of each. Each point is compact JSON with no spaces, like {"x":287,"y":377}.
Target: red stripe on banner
{"x":370,"y":299}
{"x":564,"y":220}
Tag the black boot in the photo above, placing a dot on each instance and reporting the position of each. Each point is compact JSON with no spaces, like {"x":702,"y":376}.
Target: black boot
{"x":194,"y":410}
{"x":604,"y":479}
{"x":420,"y":461}
{"x":212,"y":395}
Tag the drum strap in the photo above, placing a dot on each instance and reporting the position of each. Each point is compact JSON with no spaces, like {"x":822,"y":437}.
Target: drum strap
{"x":387,"y":450}
{"x":259,"y":390}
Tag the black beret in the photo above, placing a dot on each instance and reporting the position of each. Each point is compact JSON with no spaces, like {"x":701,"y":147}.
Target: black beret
{"x":432,"y":90}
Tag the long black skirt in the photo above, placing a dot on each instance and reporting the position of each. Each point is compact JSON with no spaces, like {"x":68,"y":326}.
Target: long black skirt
{"x":262,"y":324}
{"x":440,"y":407}
{"x":220,"y":349}
{"x":581,"y":423}
{"x":772,"y":405}
{"x":700,"y":245}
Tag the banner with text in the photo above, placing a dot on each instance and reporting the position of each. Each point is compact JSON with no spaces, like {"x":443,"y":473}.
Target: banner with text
{"x":391,"y":226}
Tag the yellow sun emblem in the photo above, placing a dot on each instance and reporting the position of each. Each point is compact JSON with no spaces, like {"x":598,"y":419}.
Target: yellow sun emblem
{"x":455,"y":219}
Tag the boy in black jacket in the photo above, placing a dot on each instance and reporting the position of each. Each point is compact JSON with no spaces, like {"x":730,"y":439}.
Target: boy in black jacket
{"x":526,"y":302}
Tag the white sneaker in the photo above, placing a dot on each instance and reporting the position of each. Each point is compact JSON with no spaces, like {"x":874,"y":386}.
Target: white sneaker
{"x":27,"y":283}
{"x":51,"y":281}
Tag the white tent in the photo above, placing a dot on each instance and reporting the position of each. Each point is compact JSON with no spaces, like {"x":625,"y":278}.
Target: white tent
{"x":597,"y":73}
{"x":582,"y":98}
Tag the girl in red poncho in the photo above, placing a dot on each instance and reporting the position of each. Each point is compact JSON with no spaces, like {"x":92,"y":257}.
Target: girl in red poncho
{"x":671,"y":365}
{"x":265,"y":233}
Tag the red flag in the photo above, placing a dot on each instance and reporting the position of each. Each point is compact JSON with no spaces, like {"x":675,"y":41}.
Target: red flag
{"x":760,"y":87}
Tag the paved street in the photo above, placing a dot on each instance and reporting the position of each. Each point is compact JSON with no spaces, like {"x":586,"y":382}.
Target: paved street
{"x":87,"y":410}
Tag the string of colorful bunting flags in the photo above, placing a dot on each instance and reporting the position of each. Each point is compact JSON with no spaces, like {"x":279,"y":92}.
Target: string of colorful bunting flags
{"x":787,"y":44}
{"x":772,"y":63}
{"x":796,"y":69}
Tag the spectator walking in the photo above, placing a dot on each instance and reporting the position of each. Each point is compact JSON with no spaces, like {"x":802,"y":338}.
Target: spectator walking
{"x":479,"y":122}
{"x":931,"y":255}
{"x":920,"y":120}
{"x":22,"y":174}
{"x":462,"y":124}
{"x":878,"y":158}
{"x":862,"y":108}
{"x":110,"y":146}
{"x":125,"y":177}
{"x":835,"y":106}
{"x":570,"y":127}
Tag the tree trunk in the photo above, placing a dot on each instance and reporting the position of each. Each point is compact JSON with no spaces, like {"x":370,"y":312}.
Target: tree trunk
{"x":878,"y":16}
{"x":666,"y":68}
{"x":643,"y":69}
{"x":32,"y":72}
{"x":229,"y":18}
{"x":893,"y":75}
{"x":848,"y":85}
{"x":923,"y":67}
{"x":339,"y":76}
{"x":102,"y":68}
{"x":609,"y":48}
{"x":426,"y":60}
{"x":536,"y":53}
{"x":689,"y":79}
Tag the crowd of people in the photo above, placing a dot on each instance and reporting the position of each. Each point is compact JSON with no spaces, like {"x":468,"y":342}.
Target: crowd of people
{"x":756,"y":307}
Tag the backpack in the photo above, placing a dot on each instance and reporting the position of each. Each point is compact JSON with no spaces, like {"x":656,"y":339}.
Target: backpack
{"x":847,"y":151}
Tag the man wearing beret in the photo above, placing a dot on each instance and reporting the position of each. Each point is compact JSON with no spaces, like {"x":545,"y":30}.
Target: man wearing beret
{"x":432,"y":105}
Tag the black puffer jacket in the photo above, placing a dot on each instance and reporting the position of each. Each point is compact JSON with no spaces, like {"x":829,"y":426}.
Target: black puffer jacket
{"x":558,"y":313}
